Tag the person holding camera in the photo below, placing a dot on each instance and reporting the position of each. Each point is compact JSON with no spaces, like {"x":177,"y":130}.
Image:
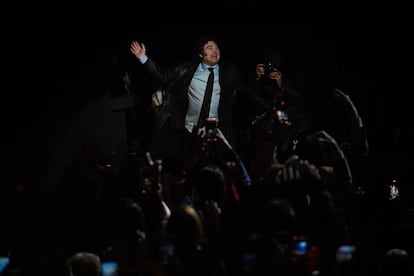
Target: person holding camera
{"x":279,"y":116}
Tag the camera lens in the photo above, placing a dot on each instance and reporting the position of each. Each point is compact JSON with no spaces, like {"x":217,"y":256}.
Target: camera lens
{"x":268,"y":67}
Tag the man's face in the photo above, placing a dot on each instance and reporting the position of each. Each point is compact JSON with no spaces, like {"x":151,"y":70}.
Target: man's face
{"x":211,"y":53}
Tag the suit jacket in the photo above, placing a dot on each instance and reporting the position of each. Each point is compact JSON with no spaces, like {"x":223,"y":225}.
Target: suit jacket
{"x":176,"y":83}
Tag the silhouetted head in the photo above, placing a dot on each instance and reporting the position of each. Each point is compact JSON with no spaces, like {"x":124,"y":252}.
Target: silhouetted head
{"x":209,"y":183}
{"x":128,"y":218}
{"x":85,"y":264}
{"x":278,"y":216}
{"x":397,"y":262}
{"x":185,"y":229}
{"x":271,"y":56}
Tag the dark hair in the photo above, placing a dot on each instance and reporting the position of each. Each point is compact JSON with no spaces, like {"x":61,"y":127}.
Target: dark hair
{"x":271,"y":54}
{"x":278,"y":214}
{"x":272,"y":58}
{"x":201,"y":41}
{"x":209,"y":183}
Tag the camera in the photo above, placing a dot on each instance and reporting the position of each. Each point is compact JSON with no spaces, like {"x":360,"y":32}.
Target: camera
{"x":211,"y":129}
{"x":268,"y":67}
{"x":211,"y":124}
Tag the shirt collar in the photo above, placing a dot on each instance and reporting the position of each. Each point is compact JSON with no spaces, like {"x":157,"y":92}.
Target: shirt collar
{"x":205,"y":66}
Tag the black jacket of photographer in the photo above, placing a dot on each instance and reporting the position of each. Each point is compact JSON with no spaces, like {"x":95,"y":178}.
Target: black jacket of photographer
{"x":263,"y":103}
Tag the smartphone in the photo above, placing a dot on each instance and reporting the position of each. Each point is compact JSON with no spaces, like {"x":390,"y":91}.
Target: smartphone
{"x":283,"y":116}
{"x":300,"y":246}
{"x":109,"y":268}
{"x":4,"y":262}
{"x":167,"y":252}
{"x":250,"y":263}
{"x":345,"y":253}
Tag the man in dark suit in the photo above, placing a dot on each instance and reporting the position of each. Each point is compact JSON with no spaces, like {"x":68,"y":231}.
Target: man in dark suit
{"x":184,"y":88}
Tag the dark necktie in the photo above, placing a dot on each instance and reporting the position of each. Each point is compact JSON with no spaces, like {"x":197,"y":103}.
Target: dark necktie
{"x":205,"y":108}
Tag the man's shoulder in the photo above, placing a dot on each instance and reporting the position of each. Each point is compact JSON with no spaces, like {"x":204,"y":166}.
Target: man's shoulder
{"x":182,"y":69}
{"x":187,"y":64}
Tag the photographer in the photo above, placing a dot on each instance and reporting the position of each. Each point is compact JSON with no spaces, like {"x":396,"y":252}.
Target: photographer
{"x":272,"y":90}
{"x":279,"y":116}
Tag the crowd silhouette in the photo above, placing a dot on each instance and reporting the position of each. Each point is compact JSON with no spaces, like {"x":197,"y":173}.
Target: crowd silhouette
{"x":286,"y":202}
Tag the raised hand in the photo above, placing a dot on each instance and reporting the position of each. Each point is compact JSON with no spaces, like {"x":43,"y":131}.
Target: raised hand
{"x":138,"y":49}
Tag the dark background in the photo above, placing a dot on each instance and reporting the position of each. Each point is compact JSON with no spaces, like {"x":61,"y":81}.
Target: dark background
{"x":62,"y":95}
{"x":62,"y":78}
